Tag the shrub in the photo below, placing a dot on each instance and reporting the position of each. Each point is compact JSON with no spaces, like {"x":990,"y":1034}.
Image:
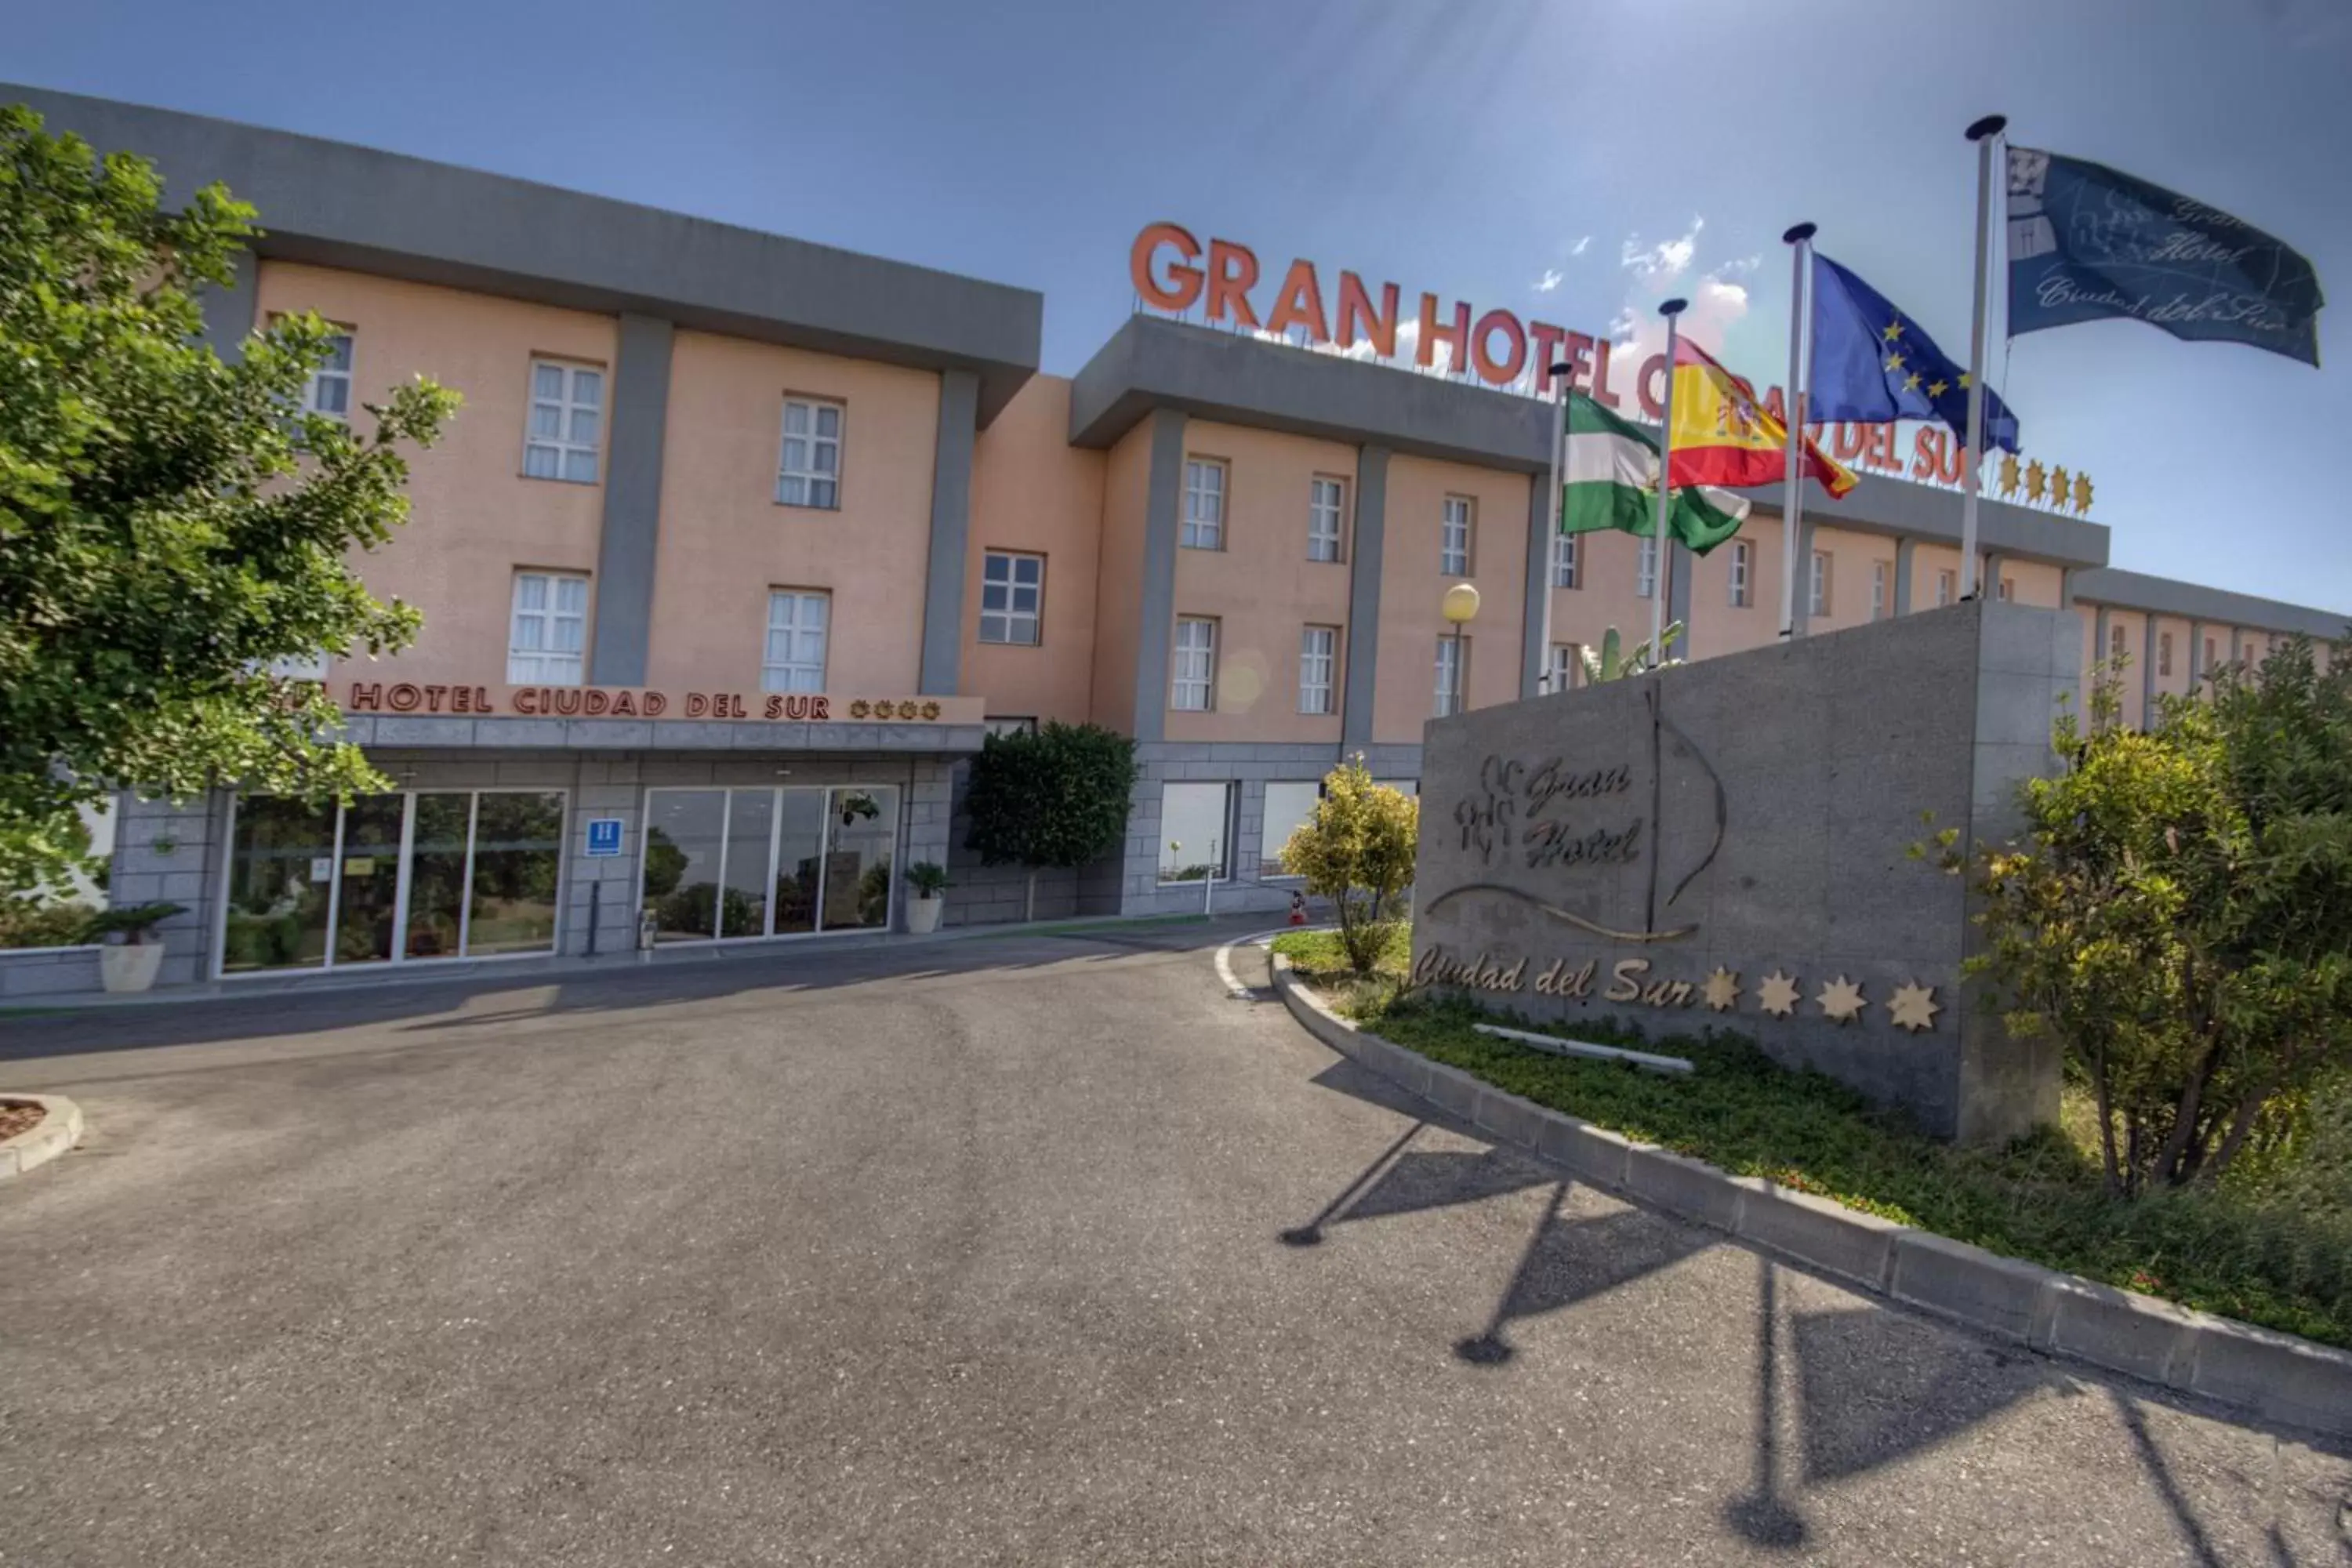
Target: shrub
{"x":1357,"y":851}
{"x":25,"y":923}
{"x":1059,"y":797}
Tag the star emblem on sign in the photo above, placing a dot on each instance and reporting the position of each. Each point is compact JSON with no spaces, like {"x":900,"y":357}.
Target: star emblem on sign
{"x":1722,"y":989}
{"x":1841,"y":1000}
{"x":1778,"y":996}
{"x":1914,"y":1008}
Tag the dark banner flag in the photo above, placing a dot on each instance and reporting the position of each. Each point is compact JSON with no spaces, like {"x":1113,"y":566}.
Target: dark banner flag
{"x":2087,"y":242}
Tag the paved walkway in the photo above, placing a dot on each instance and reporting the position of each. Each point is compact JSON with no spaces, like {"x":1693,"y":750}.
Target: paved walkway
{"x":1042,"y":1250}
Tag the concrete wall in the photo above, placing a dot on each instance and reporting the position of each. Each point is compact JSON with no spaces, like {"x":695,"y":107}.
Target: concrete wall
{"x":1034,"y":492}
{"x":31,"y":972}
{"x":474,"y":518}
{"x":1766,"y":801}
{"x":726,"y":540}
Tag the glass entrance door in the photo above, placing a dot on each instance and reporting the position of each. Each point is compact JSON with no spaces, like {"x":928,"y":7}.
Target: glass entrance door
{"x":721,"y":864}
{"x":391,"y":878}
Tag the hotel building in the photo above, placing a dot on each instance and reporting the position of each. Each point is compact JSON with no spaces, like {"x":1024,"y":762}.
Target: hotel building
{"x":741,"y":544}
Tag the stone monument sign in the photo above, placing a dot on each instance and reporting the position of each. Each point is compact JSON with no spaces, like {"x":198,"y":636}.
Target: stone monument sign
{"x":1724,"y":844}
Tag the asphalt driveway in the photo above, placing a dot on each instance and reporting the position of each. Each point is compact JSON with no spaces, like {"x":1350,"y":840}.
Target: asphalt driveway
{"x":1023,"y":1250}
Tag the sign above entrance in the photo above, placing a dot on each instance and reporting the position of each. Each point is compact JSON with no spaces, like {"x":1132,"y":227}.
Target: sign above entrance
{"x":647,"y":702}
{"x":605,"y":837}
{"x":1172,"y":271}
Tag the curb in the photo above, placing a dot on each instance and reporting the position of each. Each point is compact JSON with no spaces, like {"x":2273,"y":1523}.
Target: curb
{"x":2275,"y":1377}
{"x":56,"y":1132}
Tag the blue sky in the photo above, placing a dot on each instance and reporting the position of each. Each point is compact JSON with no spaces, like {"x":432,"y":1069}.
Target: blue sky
{"x":1474,"y":149}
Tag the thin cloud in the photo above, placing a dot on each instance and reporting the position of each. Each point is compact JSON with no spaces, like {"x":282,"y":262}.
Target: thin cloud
{"x":1664,"y":260}
{"x":1578,"y":250}
{"x":1549,"y":281}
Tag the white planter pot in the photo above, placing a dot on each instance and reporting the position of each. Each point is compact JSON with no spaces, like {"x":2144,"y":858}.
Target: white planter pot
{"x":923,"y":915}
{"x":127,"y":966}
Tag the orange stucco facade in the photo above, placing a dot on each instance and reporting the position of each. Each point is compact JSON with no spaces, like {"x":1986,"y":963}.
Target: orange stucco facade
{"x":725,"y":541}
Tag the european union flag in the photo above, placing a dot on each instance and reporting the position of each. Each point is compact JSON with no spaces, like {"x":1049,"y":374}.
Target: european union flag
{"x":1873,"y":365}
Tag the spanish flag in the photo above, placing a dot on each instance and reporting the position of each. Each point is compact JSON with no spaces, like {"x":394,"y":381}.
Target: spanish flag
{"x":1724,"y":436}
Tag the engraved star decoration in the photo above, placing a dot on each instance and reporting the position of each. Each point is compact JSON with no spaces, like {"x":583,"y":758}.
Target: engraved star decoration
{"x":1841,"y":1000}
{"x":1914,"y":1008}
{"x":1722,"y":989}
{"x":1778,"y":996}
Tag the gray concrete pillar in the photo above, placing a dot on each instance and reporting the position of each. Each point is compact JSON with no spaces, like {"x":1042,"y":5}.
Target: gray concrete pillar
{"x":230,"y":313}
{"x":2067,"y":588}
{"x":1156,"y":618}
{"x":1363,"y":636}
{"x":1905,"y":550}
{"x":943,"y":578}
{"x":637,"y":421}
{"x":1533,"y":655}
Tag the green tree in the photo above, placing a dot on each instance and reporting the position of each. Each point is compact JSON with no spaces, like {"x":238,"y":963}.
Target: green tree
{"x":1059,"y":797}
{"x":2180,"y":914}
{"x":1357,"y":851}
{"x":169,"y":524}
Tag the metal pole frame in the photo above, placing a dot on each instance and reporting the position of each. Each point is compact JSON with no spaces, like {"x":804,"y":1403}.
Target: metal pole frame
{"x":1799,"y":239}
{"x":1662,"y":580}
{"x":1986,"y":134}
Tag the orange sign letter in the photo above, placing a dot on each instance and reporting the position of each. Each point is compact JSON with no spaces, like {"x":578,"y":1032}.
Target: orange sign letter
{"x":1300,"y":302}
{"x":1184,"y":285}
{"x":1233,"y":273}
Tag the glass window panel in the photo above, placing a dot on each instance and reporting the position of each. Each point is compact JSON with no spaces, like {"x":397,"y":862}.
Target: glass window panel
{"x":436,"y":875}
{"x":793,"y":491}
{"x":547,"y":419}
{"x":581,"y":466}
{"x":992,"y":596}
{"x":795,"y":454}
{"x":547,"y":381}
{"x":338,"y":351}
{"x":588,"y":387}
{"x":280,"y":877}
{"x":822,"y":492}
{"x":828,"y":421}
{"x":825,"y":457}
{"x":681,"y":861}
{"x":334,"y":395}
{"x":1028,"y":568}
{"x":800,"y":847}
{"x":567,"y":634}
{"x":530,"y":592}
{"x":583,"y":425}
{"x":518,"y":859}
{"x":751,"y":817}
{"x":796,"y":420}
{"x":572,"y":594}
{"x":1287,"y":807}
{"x":538,"y":462}
{"x":368,"y":896}
{"x":1195,"y":831}
{"x":861,"y":825}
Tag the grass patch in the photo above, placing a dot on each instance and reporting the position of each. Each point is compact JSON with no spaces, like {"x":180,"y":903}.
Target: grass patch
{"x":2274,"y":1250}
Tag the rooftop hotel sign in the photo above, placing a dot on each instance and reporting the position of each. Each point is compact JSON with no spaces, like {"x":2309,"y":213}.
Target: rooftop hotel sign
{"x":1172,"y":271}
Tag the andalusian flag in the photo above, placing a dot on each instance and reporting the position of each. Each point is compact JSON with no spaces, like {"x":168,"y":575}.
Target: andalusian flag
{"x":1723,"y":436}
{"x":1609,"y":480}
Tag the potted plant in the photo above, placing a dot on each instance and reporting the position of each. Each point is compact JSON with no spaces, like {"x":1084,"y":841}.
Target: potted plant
{"x":929,"y":881}
{"x":131,"y":954}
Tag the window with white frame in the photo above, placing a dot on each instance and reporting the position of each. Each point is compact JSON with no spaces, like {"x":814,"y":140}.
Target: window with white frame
{"x":1196,"y":832}
{"x":1327,"y":513}
{"x":1947,"y":585}
{"x":1026,"y":724}
{"x":1193,"y":676}
{"x":2164,"y":655}
{"x":2007,"y":589}
{"x":1204,"y":504}
{"x":1564,"y":661}
{"x":1645,"y":574}
{"x":1453,"y":545}
{"x":1453,"y":674}
{"x":1878,"y":577}
{"x":1742,"y":576}
{"x":2211,"y":648}
{"x":1012,"y":597}
{"x":2115,"y":643}
{"x":328,"y":390}
{"x":567,"y":421}
{"x":1319,"y":659}
{"x":793,"y":656}
{"x":808,"y":472}
{"x":1563,"y":561}
{"x":1817,"y":598}
{"x":548,"y":636}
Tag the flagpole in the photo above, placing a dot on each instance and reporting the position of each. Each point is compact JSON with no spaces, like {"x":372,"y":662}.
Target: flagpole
{"x":1986,"y":134}
{"x":1662,"y":580}
{"x":1552,"y":514}
{"x":1799,"y":239}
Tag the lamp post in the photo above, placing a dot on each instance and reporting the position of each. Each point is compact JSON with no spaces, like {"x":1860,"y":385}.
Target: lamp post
{"x":1460,"y":606}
